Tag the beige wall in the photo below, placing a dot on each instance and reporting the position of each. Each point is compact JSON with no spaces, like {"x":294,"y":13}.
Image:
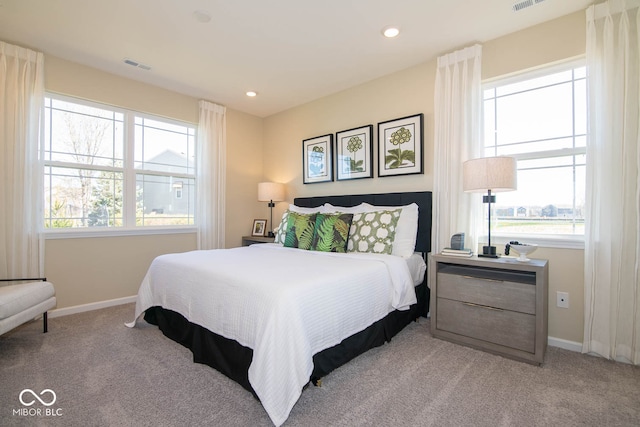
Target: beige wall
{"x":546,"y":43}
{"x":412,"y":91}
{"x":87,"y":270}
{"x":244,"y":171}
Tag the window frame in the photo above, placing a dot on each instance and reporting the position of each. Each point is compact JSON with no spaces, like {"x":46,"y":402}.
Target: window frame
{"x":129,"y":173}
{"x":568,"y":241}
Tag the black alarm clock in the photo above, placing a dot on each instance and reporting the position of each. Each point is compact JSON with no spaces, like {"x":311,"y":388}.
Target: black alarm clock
{"x":457,"y":241}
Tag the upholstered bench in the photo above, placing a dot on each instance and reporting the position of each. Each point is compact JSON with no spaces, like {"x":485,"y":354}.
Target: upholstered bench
{"x":22,"y":302}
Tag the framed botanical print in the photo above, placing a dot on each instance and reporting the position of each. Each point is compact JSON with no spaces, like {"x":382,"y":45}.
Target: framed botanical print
{"x":400,"y":143}
{"x":354,"y":150}
{"x":317,"y":159}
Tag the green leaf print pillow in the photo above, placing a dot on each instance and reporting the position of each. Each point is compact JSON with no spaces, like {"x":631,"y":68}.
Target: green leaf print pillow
{"x":300,"y":229}
{"x":331,"y":232}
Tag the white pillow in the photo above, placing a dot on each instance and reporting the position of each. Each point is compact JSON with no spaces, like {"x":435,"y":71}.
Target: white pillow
{"x":404,"y":243}
{"x":329,"y":208}
{"x":300,"y":209}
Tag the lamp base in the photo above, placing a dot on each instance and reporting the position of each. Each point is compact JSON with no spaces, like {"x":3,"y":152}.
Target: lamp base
{"x":270,"y":234}
{"x":489,"y":252}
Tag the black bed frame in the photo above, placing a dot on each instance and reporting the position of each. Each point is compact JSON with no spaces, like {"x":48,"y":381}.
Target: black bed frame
{"x":233,"y":359}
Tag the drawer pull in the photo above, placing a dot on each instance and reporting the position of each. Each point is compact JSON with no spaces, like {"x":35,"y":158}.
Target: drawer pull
{"x":482,"y":306}
{"x":486,"y":279}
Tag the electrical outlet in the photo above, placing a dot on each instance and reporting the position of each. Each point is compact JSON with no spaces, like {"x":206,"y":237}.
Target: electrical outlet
{"x":562,"y":299}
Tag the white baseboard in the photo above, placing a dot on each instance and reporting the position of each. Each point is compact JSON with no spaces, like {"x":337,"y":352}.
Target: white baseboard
{"x":91,"y":306}
{"x":567,"y":345}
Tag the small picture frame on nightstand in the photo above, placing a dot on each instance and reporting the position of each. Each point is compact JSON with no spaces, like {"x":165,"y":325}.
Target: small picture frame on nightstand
{"x":259,"y":227}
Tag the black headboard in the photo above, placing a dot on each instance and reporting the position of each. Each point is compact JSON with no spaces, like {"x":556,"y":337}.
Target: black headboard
{"x":421,"y":198}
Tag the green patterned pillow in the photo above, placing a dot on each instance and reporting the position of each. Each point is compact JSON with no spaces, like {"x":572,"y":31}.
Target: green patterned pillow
{"x":331,"y":232}
{"x":373,"y":231}
{"x":300,"y":228}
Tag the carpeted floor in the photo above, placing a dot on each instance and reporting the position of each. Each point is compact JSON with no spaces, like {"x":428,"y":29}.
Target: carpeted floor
{"x":104,"y":374}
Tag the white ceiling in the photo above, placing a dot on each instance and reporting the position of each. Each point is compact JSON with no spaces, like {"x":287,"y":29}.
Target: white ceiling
{"x":289,"y":51}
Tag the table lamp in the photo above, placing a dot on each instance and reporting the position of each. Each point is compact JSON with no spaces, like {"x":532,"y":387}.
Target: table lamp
{"x":270,"y":192}
{"x":493,"y":175}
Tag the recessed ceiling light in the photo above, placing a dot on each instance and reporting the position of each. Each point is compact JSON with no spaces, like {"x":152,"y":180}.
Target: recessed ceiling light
{"x":202,"y":16}
{"x":252,"y":93}
{"x":390,"y":32}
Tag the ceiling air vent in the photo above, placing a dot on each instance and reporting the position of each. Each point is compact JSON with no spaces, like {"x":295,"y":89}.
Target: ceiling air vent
{"x":136,"y":64}
{"x":525,"y":4}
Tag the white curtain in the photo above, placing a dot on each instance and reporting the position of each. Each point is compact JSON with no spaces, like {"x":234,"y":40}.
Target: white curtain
{"x":21,"y":170}
{"x":458,"y":137}
{"x":211,"y":169}
{"x":612,"y":236}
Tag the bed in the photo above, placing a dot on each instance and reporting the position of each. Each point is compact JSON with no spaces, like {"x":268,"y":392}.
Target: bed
{"x":316,"y":327}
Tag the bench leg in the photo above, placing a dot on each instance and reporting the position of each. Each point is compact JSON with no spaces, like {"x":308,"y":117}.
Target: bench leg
{"x":44,"y":322}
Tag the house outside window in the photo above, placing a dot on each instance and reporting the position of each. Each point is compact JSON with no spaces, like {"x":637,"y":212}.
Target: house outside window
{"x":540,"y":118}
{"x":113,"y":169}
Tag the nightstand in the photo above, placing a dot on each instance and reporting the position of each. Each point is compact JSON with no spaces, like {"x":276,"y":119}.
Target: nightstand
{"x":250,"y":240}
{"x":493,"y":304}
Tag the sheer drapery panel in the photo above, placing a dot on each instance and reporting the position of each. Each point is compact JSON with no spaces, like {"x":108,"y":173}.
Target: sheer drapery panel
{"x":211,"y":172}
{"x":21,"y":172}
{"x":612,"y":239}
{"x":458,"y":137}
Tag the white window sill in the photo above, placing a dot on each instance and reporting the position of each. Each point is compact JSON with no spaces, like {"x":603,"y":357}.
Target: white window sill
{"x":543,"y":241}
{"x":114,"y":232}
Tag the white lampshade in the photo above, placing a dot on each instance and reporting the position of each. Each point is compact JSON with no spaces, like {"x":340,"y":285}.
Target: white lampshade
{"x":270,"y":191}
{"x":489,"y":173}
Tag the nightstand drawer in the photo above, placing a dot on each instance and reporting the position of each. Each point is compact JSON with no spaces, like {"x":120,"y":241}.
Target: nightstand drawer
{"x":501,"y":294}
{"x":503,"y":327}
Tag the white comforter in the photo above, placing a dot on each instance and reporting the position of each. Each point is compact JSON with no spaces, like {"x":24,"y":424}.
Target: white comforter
{"x":285,"y":304}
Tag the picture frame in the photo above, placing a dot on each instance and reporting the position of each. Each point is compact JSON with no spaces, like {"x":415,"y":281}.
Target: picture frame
{"x":317,"y":159}
{"x":259,"y":227}
{"x":400,"y":146}
{"x":354,"y":153}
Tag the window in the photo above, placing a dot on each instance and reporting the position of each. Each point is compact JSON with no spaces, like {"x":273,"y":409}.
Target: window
{"x":113,"y":168}
{"x":541,"y":120}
